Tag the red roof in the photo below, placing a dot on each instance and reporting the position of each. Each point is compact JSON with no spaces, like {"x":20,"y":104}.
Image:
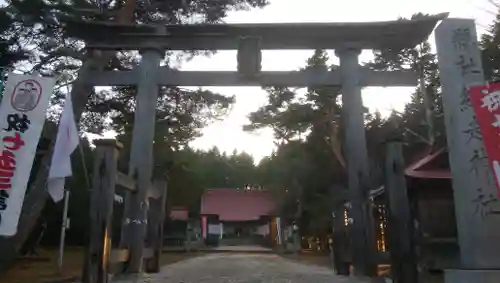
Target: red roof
{"x":179,"y":213}
{"x":236,"y":205}
{"x":425,"y":169}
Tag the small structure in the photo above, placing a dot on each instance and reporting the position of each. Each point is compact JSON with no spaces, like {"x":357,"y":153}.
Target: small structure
{"x":431,"y":199}
{"x":430,"y":193}
{"x":179,"y":213}
{"x":237,"y":217}
{"x":176,"y":226}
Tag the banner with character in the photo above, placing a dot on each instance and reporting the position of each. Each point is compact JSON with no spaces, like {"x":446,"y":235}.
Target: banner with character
{"x":22,"y":116}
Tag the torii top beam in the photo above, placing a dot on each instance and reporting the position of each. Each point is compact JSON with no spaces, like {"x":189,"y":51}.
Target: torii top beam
{"x":365,"y":35}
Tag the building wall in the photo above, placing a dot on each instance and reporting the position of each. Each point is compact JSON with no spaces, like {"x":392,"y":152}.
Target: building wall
{"x":264,"y":229}
{"x":246,"y":228}
{"x":435,"y":208}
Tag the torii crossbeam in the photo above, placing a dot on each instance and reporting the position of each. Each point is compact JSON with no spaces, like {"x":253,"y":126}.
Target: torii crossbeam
{"x":381,"y":35}
{"x":167,"y":76}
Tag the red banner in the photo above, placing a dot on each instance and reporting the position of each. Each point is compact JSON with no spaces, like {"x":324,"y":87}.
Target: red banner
{"x":485,"y":100}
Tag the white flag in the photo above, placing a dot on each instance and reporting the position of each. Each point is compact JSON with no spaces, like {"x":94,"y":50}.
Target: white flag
{"x":66,"y":142}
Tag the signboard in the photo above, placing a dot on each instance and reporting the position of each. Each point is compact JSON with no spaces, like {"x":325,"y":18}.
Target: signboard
{"x":485,"y":100}
{"x":22,"y":115}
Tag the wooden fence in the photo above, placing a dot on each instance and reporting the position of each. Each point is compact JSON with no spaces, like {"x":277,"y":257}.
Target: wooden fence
{"x":101,"y":261}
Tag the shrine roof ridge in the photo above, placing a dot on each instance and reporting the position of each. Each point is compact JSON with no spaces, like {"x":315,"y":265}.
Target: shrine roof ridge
{"x":366,"y":35}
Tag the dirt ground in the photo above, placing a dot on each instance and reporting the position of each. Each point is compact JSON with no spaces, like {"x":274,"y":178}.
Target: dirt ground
{"x":325,"y":261}
{"x":44,"y":269}
{"x":242,"y":267}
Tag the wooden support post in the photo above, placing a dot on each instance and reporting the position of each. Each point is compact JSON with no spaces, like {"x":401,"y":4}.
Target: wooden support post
{"x":101,"y":211}
{"x":401,"y":243}
{"x":187,"y":244}
{"x":296,"y":239}
{"x":141,"y":160}
{"x":340,"y":243}
{"x":363,"y":240}
{"x":156,"y":218}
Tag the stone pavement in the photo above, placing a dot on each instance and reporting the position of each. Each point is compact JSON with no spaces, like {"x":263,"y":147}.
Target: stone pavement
{"x":242,"y":268}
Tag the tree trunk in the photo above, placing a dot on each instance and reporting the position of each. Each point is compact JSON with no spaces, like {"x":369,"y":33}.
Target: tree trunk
{"x":36,"y":196}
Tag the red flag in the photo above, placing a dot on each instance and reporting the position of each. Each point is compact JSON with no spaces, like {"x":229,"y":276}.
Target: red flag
{"x":485,"y":100}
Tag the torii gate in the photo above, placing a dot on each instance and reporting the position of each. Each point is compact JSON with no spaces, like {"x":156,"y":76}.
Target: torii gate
{"x":347,"y":39}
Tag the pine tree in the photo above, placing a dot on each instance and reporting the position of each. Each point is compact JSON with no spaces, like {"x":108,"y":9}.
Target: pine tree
{"x":309,"y":157}
{"x":412,"y":124}
{"x":490,"y":45}
{"x":55,"y":53}
{"x":11,"y":51}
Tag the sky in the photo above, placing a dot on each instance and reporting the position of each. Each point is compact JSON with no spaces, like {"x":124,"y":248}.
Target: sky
{"x":228,"y":134}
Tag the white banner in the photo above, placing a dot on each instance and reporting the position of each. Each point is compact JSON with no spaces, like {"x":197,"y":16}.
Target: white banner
{"x":263,"y":230}
{"x":22,"y":116}
{"x":214,"y":229}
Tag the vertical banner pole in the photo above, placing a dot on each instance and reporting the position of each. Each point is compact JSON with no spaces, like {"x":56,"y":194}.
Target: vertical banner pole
{"x":64,"y":226}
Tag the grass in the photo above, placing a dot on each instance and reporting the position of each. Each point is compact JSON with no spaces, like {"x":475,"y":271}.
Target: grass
{"x":44,"y":269}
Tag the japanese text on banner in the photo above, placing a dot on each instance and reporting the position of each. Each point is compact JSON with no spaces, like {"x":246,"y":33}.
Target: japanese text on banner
{"x":22,"y":116}
{"x":486,"y":103}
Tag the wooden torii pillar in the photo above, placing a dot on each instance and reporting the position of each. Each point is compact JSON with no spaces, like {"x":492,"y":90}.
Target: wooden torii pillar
{"x":348,"y":39}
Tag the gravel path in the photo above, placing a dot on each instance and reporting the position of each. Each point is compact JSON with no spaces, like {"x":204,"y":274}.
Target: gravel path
{"x":242,"y":268}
